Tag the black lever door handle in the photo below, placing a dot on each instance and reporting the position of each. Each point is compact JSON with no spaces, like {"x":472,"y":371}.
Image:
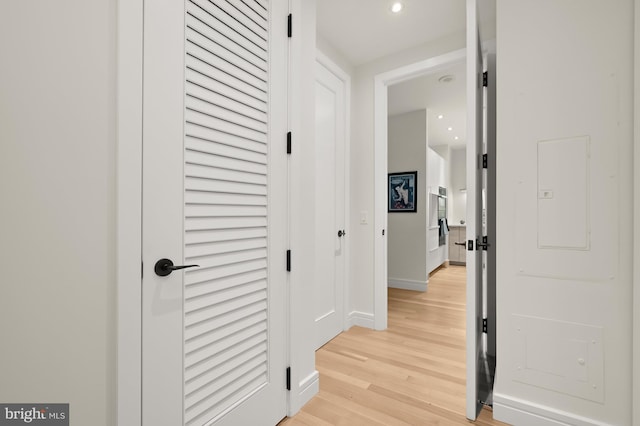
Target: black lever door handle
{"x":165,"y":266}
{"x":341,"y":233}
{"x":460,"y":244}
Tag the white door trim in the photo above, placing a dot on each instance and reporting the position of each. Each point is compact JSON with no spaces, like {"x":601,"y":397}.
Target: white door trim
{"x":129,"y":212}
{"x":635,"y":414}
{"x":381,"y":84}
{"x":326,"y":62}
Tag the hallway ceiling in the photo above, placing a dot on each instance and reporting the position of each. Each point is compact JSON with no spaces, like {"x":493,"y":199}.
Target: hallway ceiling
{"x":364,"y":30}
{"x":446,"y":99}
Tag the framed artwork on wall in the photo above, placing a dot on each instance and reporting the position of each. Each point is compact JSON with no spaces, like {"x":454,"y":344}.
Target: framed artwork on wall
{"x":403,"y":192}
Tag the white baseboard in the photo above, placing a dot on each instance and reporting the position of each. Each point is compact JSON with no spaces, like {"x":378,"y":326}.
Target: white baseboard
{"x":407,"y":284}
{"x":520,"y":412}
{"x":309,"y":387}
{"x":361,"y":319}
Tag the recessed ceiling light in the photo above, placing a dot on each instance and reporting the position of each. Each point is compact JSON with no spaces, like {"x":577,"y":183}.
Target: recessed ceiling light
{"x":456,"y":138}
{"x":396,"y":7}
{"x":449,"y":128}
{"x":440,"y":117}
{"x":446,"y":78}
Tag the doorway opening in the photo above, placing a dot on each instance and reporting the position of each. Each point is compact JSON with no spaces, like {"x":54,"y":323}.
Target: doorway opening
{"x":376,"y":237}
{"x":381,"y":87}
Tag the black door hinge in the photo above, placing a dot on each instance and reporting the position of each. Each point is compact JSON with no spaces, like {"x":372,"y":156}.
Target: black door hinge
{"x":484,"y":325}
{"x":289,"y":26}
{"x":288,"y":260}
{"x":470,"y":245}
{"x":288,"y":378}
{"x":485,"y":161}
{"x":484,"y":245}
{"x":485,"y":79}
{"x":141,"y":270}
{"x":288,"y":142}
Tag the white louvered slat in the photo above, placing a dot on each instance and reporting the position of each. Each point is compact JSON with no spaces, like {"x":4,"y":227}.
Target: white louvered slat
{"x":245,"y":379}
{"x":202,"y":370}
{"x":203,"y":327}
{"x":251,"y":117}
{"x":224,"y":85}
{"x":239,"y":41}
{"x":199,"y":389}
{"x":222,"y":128}
{"x":250,"y":26}
{"x":208,"y":106}
{"x":195,"y":290}
{"x":200,"y":25}
{"x":215,"y":161}
{"x":218,"y":13}
{"x":207,"y":224}
{"x":221,"y":297}
{"x":206,"y":210}
{"x":260,"y":3}
{"x":198,"y":133}
{"x":195,"y":197}
{"x":212,"y":185}
{"x":218,"y":55}
{"x":203,"y":276}
{"x":255,"y":13}
{"x":218,"y":365}
{"x":206,"y":345}
{"x":226,"y":216}
{"x":213,"y":41}
{"x":226,"y":308}
{"x":223,"y":235}
{"x":196,"y":346}
{"x":196,"y":49}
{"x":215,"y":173}
{"x":212,"y":249}
{"x":230,"y":258}
{"x":225,"y":151}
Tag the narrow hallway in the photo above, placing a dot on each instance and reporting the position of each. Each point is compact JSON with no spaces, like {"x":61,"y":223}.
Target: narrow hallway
{"x":412,"y":373}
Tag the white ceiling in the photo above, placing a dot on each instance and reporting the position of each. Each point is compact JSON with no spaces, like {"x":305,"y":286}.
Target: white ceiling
{"x":365,"y":30}
{"x":438,"y":98}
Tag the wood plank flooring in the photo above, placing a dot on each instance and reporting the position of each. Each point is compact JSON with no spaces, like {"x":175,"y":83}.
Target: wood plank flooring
{"x":413,"y":373}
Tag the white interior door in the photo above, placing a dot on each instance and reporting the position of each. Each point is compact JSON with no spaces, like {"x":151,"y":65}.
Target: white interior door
{"x":330,"y":205}
{"x":214,"y":179}
{"x":474,"y":210}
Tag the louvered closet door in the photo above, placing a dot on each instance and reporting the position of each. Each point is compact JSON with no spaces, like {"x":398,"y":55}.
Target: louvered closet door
{"x":214,"y":195}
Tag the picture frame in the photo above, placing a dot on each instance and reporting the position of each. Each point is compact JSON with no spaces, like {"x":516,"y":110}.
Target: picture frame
{"x":402,"y":192}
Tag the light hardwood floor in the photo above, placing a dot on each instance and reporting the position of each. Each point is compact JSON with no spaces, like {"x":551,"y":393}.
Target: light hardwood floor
{"x":413,"y":373}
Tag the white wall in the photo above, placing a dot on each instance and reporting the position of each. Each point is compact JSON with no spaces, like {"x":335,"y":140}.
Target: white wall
{"x":407,"y":261}
{"x":458,"y":199}
{"x":57,"y":214}
{"x":334,"y":54}
{"x":362,"y":163}
{"x":564,"y":306}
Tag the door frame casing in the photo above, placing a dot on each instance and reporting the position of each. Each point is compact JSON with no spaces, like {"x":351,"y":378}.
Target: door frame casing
{"x":381,"y":84}
{"x":345,"y":78}
{"x":635,"y":414}
{"x":129,"y":211}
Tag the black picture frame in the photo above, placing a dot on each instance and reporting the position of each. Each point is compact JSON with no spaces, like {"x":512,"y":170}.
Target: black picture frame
{"x":402,"y":192}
